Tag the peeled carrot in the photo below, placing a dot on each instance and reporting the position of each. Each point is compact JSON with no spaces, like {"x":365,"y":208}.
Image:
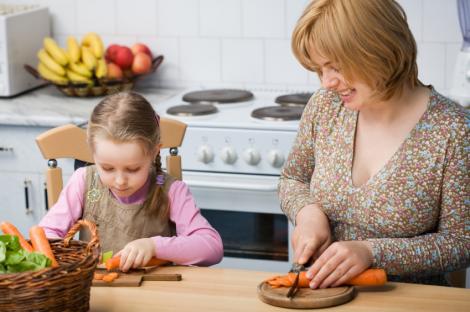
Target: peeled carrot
{"x":370,"y":277}
{"x":113,"y":263}
{"x":10,"y":229}
{"x":41,"y":244}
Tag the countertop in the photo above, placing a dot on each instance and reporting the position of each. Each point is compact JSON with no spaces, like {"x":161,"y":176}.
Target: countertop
{"x":215,"y":289}
{"x":48,"y":107}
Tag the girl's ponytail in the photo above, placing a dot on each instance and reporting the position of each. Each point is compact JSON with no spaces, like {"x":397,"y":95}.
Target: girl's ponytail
{"x":157,"y":200}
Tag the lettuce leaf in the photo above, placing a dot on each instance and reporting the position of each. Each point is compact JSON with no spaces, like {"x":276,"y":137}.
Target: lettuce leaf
{"x":14,"y":259}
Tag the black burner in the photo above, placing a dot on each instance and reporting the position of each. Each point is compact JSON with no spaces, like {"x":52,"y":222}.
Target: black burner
{"x":218,"y":96}
{"x":192,"y":110}
{"x":295,"y":99}
{"x":278,"y":113}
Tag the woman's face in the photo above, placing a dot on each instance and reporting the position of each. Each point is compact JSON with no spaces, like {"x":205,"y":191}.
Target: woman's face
{"x":123,"y":167}
{"x":355,"y":95}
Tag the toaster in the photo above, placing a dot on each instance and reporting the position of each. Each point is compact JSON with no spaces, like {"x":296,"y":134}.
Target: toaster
{"x":22,"y":30}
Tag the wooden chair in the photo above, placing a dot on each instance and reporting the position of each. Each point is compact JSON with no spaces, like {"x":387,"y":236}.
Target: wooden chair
{"x":69,"y":141}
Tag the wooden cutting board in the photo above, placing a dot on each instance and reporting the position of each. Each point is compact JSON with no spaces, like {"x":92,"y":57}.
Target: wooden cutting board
{"x":135,"y":278}
{"x":306,"y":298}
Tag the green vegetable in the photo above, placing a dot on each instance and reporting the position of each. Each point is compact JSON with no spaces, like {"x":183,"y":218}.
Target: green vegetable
{"x":14,"y":259}
{"x":106,"y":255}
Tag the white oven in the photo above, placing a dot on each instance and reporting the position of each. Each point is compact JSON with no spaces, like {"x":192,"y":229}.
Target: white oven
{"x":231,"y":162}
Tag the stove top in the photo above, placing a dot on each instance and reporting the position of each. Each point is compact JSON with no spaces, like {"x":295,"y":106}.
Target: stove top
{"x":231,"y":111}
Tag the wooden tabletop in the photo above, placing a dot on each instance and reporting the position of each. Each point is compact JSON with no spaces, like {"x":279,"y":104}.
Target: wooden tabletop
{"x":214,"y":289}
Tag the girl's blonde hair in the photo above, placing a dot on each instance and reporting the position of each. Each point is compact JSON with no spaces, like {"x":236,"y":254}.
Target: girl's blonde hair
{"x":369,"y":40}
{"x":129,"y":117}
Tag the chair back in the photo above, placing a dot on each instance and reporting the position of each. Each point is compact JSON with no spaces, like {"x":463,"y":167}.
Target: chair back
{"x":69,"y":141}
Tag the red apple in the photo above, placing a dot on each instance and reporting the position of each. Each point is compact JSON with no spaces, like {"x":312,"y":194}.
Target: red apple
{"x":111,"y":52}
{"x":114,"y":71}
{"x":142,"y":63}
{"x":140,"y":47}
{"x":124,"y":57}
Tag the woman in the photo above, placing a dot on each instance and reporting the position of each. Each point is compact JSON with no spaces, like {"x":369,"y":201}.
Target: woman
{"x":378,"y":175}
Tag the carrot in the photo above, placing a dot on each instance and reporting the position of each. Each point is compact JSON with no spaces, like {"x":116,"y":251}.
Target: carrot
{"x":113,"y":263}
{"x":370,"y":277}
{"x":98,"y":276}
{"x":110,"y":277}
{"x":10,"y":229}
{"x":41,"y":244}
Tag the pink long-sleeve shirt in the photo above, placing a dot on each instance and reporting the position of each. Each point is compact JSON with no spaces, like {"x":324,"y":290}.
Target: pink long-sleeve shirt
{"x":196,"y":241}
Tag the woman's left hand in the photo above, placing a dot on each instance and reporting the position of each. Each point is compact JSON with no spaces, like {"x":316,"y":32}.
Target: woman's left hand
{"x":340,"y":262}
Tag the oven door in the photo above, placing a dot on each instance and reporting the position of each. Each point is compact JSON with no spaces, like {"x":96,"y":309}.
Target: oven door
{"x":245,"y":210}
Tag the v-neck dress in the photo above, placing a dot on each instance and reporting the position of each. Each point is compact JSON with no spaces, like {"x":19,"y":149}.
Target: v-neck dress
{"x":414,"y":210}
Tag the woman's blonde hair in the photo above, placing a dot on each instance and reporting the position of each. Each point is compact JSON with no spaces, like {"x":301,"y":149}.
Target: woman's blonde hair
{"x":369,"y":40}
{"x":129,"y":117}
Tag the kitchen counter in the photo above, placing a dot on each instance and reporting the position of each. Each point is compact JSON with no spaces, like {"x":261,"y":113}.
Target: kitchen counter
{"x":48,"y":107}
{"x":213,"y":289}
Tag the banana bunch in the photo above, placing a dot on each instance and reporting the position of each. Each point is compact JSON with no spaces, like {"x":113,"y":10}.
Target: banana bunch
{"x":77,"y":64}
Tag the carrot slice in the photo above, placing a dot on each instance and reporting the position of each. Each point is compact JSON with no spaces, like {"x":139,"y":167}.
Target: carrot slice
{"x":10,"y":229}
{"x":98,"y":276}
{"x":110,"y":277}
{"x":41,"y":244}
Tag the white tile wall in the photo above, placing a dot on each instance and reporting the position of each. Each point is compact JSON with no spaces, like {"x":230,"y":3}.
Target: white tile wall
{"x":207,"y":42}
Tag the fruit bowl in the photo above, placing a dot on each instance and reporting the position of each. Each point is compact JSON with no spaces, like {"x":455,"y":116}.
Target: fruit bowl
{"x":98,"y":87}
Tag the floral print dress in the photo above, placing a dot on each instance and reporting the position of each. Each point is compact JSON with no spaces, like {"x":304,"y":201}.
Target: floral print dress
{"x":414,"y":211}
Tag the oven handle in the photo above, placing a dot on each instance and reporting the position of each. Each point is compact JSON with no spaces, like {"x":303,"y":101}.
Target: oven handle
{"x":233,"y":186}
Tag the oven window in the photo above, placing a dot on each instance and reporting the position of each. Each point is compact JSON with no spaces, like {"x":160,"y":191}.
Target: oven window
{"x":251,"y":235}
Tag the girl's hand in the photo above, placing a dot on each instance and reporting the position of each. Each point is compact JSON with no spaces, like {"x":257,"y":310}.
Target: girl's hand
{"x":136,"y":253}
{"x":339,"y":263}
{"x":311,"y":235}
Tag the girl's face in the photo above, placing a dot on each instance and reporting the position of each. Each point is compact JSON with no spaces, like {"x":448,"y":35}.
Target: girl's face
{"x":355,"y":95}
{"x":123,"y":167}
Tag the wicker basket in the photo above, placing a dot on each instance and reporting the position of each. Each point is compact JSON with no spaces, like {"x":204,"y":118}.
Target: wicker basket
{"x":101,"y":87}
{"x":65,"y":288}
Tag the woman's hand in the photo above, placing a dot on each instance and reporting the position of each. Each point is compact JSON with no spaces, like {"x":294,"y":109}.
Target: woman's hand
{"x":311,"y":234}
{"x":340,"y":262}
{"x":136,"y":253}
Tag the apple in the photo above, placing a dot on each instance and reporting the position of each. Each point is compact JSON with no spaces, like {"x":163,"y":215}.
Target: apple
{"x":142,"y":63}
{"x":111,"y":52}
{"x":114,"y":71}
{"x":140,"y":47}
{"x":123,"y":57}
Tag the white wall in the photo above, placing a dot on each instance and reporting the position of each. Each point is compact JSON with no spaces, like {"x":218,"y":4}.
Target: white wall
{"x":239,"y":42}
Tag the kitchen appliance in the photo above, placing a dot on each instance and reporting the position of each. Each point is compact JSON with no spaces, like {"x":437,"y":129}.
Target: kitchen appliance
{"x":22,"y":30}
{"x":460,"y":90}
{"x":235,"y":145}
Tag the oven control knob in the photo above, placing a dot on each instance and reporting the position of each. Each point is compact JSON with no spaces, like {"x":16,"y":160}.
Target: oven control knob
{"x":275,"y":158}
{"x":229,"y":155}
{"x":205,"y":154}
{"x":252,"y":156}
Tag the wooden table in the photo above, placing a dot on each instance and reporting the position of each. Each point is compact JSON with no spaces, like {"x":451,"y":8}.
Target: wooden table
{"x":214,"y":289}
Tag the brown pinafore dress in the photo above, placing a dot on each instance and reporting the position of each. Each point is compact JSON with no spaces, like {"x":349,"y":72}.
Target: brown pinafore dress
{"x":119,"y":224}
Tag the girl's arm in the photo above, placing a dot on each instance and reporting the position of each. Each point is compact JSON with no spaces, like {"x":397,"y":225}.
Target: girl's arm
{"x":197,"y":242}
{"x":68,"y":208}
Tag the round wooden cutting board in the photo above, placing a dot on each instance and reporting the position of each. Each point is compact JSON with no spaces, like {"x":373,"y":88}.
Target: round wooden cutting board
{"x":306,"y":298}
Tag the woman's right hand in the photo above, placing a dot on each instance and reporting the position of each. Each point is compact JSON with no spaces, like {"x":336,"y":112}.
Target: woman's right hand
{"x":311,"y":234}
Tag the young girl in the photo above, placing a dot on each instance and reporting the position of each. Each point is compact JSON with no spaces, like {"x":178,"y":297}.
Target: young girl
{"x":141,"y":212}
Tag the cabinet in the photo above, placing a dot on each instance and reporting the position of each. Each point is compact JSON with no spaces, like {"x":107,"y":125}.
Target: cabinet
{"x":22,"y":179}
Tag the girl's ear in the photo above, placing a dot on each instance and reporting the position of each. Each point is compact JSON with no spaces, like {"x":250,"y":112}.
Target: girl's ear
{"x":157,"y":149}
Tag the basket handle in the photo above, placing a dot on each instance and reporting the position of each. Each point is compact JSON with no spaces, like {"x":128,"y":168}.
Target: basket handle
{"x":74,"y":229}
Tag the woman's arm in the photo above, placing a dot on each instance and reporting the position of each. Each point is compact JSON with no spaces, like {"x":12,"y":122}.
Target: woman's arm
{"x":196,"y":241}
{"x":68,"y":208}
{"x":294,"y":183}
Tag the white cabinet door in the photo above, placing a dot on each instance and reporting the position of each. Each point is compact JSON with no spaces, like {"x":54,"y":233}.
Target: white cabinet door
{"x":21,"y":200}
